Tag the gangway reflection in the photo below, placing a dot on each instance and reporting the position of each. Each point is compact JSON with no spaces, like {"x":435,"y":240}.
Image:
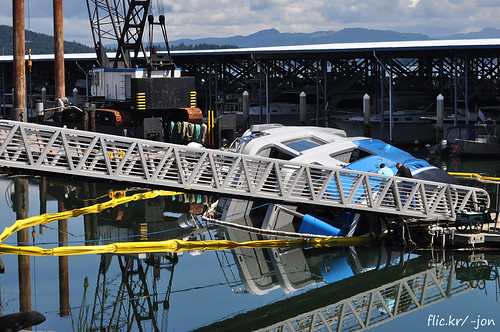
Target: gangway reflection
{"x":342,"y":289}
{"x":361,"y":301}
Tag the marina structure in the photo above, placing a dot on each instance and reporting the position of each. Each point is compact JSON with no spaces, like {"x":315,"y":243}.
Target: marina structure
{"x":335,"y":77}
{"x":138,"y":100}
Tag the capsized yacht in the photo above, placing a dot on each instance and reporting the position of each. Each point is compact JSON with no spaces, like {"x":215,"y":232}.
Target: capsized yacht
{"x":331,"y":147}
{"x":327,"y":147}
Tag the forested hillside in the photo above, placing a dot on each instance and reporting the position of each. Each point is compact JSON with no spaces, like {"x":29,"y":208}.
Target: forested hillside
{"x":38,"y":42}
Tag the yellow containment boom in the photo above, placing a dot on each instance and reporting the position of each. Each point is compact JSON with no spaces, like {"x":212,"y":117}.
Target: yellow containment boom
{"x":176,"y":245}
{"x":96,"y":208}
{"x":173,"y":246}
{"x":475,"y":176}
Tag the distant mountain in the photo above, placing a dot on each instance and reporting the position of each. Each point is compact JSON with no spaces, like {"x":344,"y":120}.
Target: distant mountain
{"x":40,"y":43}
{"x":273,"y":37}
{"x":485,"y":33}
{"x":44,"y":44}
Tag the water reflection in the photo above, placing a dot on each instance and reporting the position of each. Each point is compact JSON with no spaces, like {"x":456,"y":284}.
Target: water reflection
{"x":351,"y":288}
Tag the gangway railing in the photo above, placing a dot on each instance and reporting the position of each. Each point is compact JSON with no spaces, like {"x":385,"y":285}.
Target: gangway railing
{"x":42,"y":148}
{"x":382,"y":304}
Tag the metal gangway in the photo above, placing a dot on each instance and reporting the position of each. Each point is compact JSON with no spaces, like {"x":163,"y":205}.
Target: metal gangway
{"x":70,"y":152}
{"x":382,"y":304}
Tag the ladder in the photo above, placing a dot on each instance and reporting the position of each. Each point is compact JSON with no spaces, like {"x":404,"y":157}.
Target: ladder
{"x":50,"y":149}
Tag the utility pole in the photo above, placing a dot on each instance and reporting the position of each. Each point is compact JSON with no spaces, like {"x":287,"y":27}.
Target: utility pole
{"x":59,"y":51}
{"x":19,"y":103}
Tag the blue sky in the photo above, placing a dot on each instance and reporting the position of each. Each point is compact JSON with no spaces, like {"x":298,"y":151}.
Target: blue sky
{"x":224,"y":18}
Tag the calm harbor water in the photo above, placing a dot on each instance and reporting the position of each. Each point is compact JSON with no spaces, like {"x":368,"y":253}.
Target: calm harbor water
{"x":287,"y":289}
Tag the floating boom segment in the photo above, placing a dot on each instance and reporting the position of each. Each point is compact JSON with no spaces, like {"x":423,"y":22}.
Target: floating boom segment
{"x":87,"y":154}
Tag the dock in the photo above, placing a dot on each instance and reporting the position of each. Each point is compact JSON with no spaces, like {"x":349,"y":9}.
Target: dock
{"x":490,"y":236}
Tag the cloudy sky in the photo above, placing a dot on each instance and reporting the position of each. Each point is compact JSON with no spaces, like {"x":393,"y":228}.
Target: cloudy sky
{"x":224,"y":18}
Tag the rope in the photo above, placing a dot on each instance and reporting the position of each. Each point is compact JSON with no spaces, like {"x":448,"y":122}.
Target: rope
{"x":203,"y":133}
{"x":196,"y":133}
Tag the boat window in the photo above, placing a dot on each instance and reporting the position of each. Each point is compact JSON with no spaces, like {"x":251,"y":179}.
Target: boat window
{"x":304,"y":144}
{"x":358,"y":154}
{"x":273,"y":152}
{"x":343,"y":156}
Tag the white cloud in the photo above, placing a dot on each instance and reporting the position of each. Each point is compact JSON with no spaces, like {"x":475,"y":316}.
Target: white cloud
{"x":223,"y":18}
{"x":413,"y":3}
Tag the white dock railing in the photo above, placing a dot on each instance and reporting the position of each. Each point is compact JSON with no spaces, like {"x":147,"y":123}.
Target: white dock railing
{"x":52,"y":149}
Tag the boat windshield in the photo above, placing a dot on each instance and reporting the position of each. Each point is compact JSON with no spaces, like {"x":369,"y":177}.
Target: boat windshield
{"x":358,"y":154}
{"x":304,"y":144}
{"x":350,"y":156}
{"x":485,"y":130}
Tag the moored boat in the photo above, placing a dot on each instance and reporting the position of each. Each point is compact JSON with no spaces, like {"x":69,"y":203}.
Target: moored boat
{"x":408,"y":126}
{"x":478,"y":139}
{"x":484,"y":142}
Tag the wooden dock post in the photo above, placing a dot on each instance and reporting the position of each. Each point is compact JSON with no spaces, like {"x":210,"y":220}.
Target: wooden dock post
{"x":19,"y":72}
{"x":75,"y":97}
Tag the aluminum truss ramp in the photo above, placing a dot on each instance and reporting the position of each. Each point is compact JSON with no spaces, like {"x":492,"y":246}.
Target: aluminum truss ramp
{"x":71,"y":152}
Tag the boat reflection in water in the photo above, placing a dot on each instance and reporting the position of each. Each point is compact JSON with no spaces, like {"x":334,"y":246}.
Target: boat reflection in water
{"x":361,"y":287}
{"x":274,"y":289}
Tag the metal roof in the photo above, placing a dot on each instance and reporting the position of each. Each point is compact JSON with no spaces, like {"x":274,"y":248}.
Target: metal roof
{"x":359,"y":47}
{"x":364,"y":47}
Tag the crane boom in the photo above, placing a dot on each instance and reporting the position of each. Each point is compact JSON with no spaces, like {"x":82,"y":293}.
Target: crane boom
{"x":138,"y":94}
{"x":120,"y":22}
